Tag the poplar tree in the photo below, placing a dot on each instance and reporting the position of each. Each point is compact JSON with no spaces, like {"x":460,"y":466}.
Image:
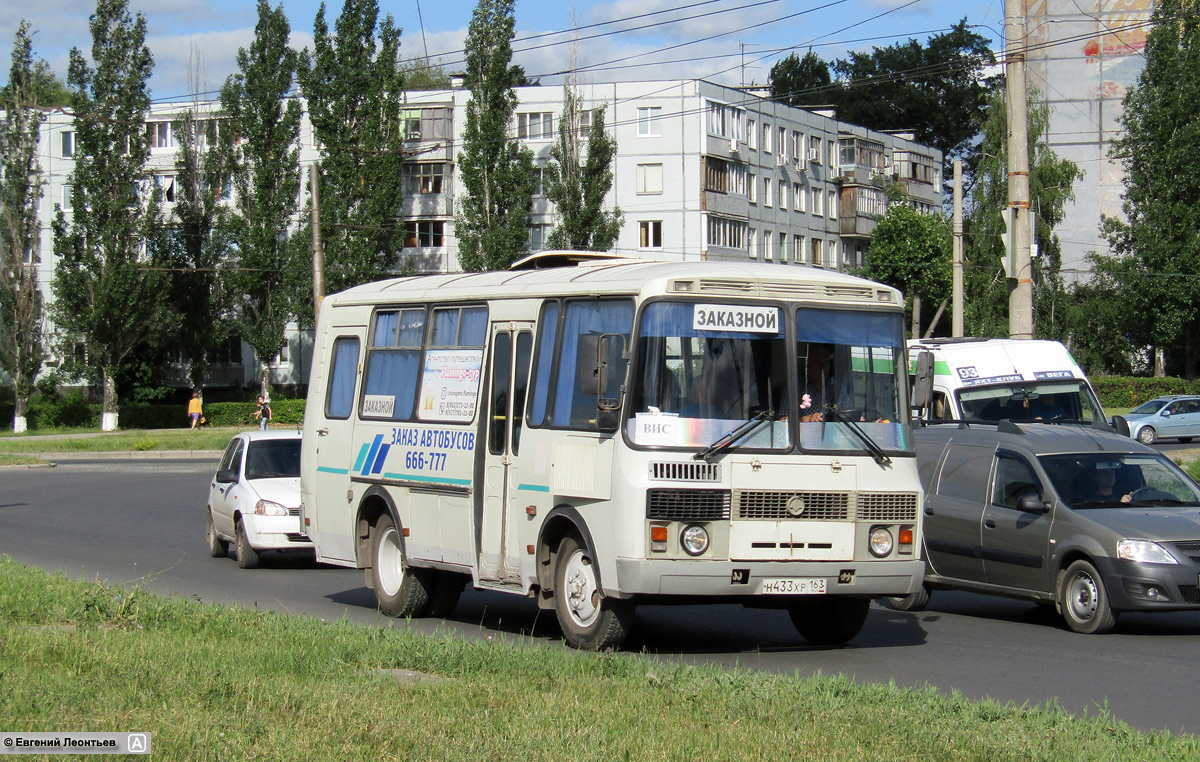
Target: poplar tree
{"x":21,"y":191}
{"x":352,"y":82}
{"x":261,"y":132}
{"x":578,"y":186}
{"x":492,"y":221}
{"x":1157,"y":247}
{"x":199,"y":242}
{"x":108,"y":293}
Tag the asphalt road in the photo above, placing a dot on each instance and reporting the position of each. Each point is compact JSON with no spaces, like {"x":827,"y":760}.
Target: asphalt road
{"x":141,"y":522}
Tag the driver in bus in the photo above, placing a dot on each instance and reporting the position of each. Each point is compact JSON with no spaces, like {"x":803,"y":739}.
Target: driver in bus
{"x":821,"y":389}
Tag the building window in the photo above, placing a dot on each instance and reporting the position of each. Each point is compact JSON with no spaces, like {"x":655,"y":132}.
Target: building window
{"x":752,"y":187}
{"x":650,"y":234}
{"x":583,"y":124}
{"x":768,"y":243}
{"x":424,"y":178}
{"x":797,"y":145}
{"x":649,"y":121}
{"x":766,"y":135}
{"x":716,"y":175}
{"x":166,"y":185}
{"x":768,"y":195}
{"x":66,"y":196}
{"x":783,"y":248}
{"x":798,"y":249}
{"x":817,"y":203}
{"x":537,"y":237}
{"x":535,"y":125}
{"x":752,"y":242}
{"x":423,"y":234}
{"x":425,"y":123}
{"x":649,"y":179}
{"x":831,"y":204}
{"x":816,"y":260}
{"x":783,"y":199}
{"x":724,"y":121}
{"x":798,"y":197}
{"x":726,"y":233}
{"x":539,"y":182}
{"x":737,"y":179}
{"x":159,"y":135}
{"x":814,"y":149}
{"x":831,"y":254}
{"x":68,"y":143}
{"x":751,"y":134}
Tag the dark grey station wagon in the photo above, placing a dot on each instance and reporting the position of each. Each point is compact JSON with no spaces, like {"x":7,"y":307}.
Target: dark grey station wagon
{"x":1077,"y":516}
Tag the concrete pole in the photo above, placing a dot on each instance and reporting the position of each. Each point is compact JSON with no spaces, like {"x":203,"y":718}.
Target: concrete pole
{"x":1020,"y":296}
{"x":956,"y":313}
{"x":318,"y":251}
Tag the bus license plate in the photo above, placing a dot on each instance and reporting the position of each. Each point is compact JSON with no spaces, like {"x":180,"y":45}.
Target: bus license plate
{"x":793,"y":586}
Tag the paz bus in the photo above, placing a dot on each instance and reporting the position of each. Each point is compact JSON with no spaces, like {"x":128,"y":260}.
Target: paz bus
{"x":616,"y":432}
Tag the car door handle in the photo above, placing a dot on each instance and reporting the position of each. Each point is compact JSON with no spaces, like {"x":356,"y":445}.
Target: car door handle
{"x":322,"y":432}
{"x":990,"y":524}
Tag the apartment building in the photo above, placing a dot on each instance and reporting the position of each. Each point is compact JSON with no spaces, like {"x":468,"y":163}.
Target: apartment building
{"x":702,"y":171}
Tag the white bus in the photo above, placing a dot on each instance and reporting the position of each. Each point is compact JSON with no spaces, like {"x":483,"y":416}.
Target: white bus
{"x":616,"y":432}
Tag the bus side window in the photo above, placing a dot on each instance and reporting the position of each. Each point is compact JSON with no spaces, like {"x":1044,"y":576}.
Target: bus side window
{"x":343,"y":375}
{"x":572,"y":407}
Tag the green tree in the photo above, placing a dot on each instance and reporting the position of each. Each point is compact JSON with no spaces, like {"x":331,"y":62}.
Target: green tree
{"x":108,"y":294}
{"x":352,"y":81}
{"x":910,"y":250}
{"x":261,"y":131}
{"x":1051,"y":183}
{"x":21,"y":190}
{"x":578,"y":186}
{"x":492,"y":221}
{"x":803,"y":81}
{"x":199,"y":242}
{"x":1158,"y":243}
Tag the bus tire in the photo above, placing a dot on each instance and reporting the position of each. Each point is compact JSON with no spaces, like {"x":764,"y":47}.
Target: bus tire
{"x":447,"y":587}
{"x":911,"y":602}
{"x":247,"y":557}
{"x":217,"y":548}
{"x":400,"y":589}
{"x":829,"y":621}
{"x":589,"y":620}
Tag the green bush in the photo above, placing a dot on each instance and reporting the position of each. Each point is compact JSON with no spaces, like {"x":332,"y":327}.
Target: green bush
{"x":1131,"y":391}
{"x":157,"y":416}
{"x":53,"y":411}
{"x":283,"y":413}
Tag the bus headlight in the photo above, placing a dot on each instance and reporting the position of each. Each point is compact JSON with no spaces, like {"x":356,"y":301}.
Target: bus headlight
{"x":694,"y":540}
{"x":881,"y":542}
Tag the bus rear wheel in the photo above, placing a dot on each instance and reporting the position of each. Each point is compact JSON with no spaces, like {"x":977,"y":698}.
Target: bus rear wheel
{"x":401,"y":590}
{"x":829,"y":621}
{"x":588,"y":619}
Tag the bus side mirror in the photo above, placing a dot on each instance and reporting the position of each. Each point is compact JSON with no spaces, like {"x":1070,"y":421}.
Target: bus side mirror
{"x":590,"y":374}
{"x":922,"y":391}
{"x":611,"y":364}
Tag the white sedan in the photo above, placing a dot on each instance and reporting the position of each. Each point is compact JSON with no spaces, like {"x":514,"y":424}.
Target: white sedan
{"x":254,"y":500}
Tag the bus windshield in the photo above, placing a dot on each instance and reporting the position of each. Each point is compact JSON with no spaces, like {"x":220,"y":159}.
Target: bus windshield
{"x":702,"y":370}
{"x":699,"y":375}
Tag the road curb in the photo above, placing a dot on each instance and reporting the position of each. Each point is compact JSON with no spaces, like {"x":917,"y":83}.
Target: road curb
{"x":131,"y":455}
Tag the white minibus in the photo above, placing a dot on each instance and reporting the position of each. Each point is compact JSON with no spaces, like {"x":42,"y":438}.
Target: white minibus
{"x":611,"y":433}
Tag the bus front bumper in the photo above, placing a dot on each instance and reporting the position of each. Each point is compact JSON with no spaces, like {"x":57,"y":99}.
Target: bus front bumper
{"x":765,"y":578}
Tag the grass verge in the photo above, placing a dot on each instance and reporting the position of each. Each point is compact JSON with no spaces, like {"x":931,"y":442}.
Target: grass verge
{"x":218,"y":683}
{"x":19,"y":460}
{"x":122,"y":441}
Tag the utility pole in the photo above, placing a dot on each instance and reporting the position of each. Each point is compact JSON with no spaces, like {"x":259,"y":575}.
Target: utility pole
{"x":956,"y":314}
{"x":318,"y":251}
{"x":1020,"y":295}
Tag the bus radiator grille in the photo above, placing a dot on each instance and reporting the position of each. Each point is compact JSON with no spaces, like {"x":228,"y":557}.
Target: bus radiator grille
{"x":786,"y":506}
{"x":890,"y":507}
{"x":687,"y":504}
{"x":685,"y":472}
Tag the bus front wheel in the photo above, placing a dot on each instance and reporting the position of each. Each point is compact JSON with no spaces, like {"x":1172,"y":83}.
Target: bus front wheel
{"x":401,"y":590}
{"x":829,"y":621}
{"x":588,"y":619}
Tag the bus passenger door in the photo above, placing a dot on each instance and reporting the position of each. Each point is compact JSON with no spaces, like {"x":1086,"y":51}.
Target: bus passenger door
{"x":499,"y":552}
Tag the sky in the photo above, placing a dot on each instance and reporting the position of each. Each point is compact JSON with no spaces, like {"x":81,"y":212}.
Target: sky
{"x":734,"y":42}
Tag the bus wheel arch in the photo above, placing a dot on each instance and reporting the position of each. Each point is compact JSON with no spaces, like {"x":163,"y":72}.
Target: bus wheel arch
{"x":563,"y":520}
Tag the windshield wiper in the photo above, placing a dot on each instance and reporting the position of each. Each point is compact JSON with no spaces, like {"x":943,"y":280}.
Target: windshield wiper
{"x":869,"y":444}
{"x":743,"y":430}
